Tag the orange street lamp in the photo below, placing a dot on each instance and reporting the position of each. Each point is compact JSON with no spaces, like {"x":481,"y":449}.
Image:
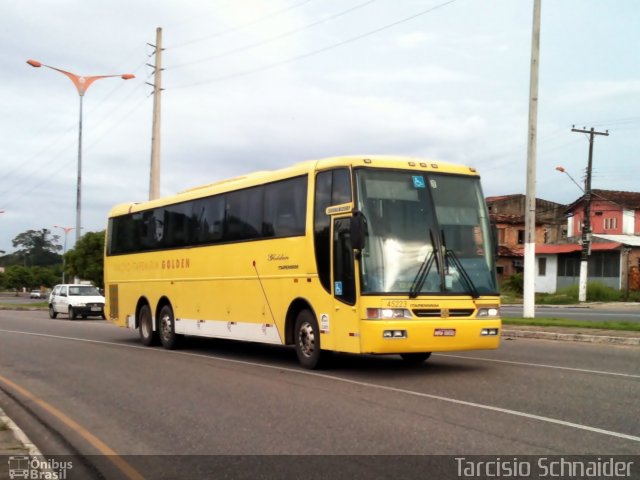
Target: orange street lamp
{"x":561,"y":169}
{"x":82,"y":84}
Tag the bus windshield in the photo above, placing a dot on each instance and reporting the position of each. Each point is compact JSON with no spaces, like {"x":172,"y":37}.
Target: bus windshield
{"x":429,"y":226}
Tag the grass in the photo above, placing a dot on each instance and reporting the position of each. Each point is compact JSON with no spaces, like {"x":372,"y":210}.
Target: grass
{"x":23,"y":306}
{"x":511,"y":293}
{"x":563,"y":322}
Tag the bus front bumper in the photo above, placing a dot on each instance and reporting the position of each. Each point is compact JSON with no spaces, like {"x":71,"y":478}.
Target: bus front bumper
{"x":399,"y":336}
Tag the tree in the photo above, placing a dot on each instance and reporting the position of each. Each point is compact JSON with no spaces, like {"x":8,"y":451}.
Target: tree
{"x":86,"y":258}
{"x":18,"y":277}
{"x":37,"y":247}
{"x":44,"y":277}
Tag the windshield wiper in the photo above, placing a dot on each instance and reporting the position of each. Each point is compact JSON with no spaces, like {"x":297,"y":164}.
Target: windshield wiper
{"x":450,"y":254}
{"x":423,"y":271}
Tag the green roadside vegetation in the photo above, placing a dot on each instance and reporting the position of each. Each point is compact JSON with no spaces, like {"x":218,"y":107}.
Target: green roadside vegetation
{"x":24,"y":306}
{"x":512,"y":289}
{"x":511,"y":294}
{"x":563,"y":322}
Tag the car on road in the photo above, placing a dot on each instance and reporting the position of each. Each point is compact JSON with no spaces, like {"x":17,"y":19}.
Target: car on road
{"x":35,"y":294}
{"x":76,"y":300}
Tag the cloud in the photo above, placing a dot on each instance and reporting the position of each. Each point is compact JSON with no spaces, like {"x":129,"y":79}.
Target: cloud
{"x":597,"y":91}
{"x":419,"y":75}
{"x":415,"y":39}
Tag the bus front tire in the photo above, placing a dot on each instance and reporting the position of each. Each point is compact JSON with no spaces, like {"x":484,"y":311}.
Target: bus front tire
{"x":415,"y":358}
{"x":307,"y":341}
{"x":145,"y":327}
{"x":167,"y":328}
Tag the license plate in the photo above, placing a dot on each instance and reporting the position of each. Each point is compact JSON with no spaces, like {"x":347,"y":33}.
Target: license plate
{"x":95,"y":309}
{"x":444,"y":332}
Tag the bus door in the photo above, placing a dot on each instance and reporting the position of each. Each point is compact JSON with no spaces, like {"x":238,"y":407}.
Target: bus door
{"x":345,"y":322}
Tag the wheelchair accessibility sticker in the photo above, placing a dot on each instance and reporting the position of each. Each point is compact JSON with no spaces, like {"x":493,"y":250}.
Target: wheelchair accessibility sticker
{"x":418,"y":181}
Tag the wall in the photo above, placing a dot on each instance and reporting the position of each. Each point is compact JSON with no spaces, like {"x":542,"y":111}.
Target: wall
{"x":628,"y":222}
{"x":547,"y":283}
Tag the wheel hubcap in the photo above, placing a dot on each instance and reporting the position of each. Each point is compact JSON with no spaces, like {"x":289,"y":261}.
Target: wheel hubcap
{"x":165,"y":326}
{"x":146,"y":330}
{"x":306,"y":339}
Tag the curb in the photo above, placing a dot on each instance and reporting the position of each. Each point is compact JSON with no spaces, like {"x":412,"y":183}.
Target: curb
{"x":23,"y":444}
{"x":571,"y":337}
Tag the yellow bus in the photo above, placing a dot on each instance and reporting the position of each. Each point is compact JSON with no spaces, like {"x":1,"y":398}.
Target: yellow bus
{"x":371,"y":255}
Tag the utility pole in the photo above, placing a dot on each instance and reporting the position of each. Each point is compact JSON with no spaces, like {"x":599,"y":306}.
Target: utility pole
{"x":530,"y":213}
{"x":586,"y":222}
{"x":154,"y":174}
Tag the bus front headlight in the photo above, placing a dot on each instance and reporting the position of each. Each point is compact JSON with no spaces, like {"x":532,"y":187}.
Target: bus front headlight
{"x":489,"y":312}
{"x":387,"y":313}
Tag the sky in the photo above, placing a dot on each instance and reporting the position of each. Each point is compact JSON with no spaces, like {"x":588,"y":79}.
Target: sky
{"x":259,"y":85}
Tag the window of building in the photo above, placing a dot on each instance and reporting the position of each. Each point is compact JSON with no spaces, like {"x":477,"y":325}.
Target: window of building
{"x":604,"y":264}
{"x":542,"y":266}
{"x":569,"y":265}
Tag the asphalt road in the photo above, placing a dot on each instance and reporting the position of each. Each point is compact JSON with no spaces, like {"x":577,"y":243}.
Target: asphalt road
{"x":602,"y":313}
{"x":89,"y":388}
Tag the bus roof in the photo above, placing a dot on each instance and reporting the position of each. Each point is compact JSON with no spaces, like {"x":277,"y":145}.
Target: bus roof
{"x":301,"y":168}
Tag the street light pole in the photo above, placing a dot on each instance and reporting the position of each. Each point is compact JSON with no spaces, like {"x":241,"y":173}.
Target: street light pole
{"x":66,"y":231}
{"x":82,"y":84}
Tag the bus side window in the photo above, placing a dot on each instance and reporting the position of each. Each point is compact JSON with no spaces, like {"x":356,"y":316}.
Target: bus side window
{"x":333,"y":187}
{"x":341,"y":191}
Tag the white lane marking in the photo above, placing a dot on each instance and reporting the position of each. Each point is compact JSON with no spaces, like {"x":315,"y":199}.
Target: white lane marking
{"x":455,"y":401}
{"x":540,"y":365}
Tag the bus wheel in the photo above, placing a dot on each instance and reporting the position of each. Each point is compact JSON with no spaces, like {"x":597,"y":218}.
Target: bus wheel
{"x":167,"y":328}
{"x":307,"y":340}
{"x":145,"y":327}
{"x":415,"y":358}
{"x":52,"y":312}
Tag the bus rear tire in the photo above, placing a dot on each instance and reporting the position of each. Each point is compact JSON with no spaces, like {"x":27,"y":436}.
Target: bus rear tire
{"x":167,"y":328}
{"x":307,"y":341}
{"x":145,"y":327}
{"x":415,"y":358}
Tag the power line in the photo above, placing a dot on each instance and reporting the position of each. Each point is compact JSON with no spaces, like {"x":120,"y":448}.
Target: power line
{"x":240,"y":27}
{"x":314,"y":52}
{"x":26,"y":191}
{"x":33,"y":166}
{"x":274,"y":38}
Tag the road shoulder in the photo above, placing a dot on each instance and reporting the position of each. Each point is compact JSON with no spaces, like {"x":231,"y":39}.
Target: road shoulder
{"x":572,"y":334}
